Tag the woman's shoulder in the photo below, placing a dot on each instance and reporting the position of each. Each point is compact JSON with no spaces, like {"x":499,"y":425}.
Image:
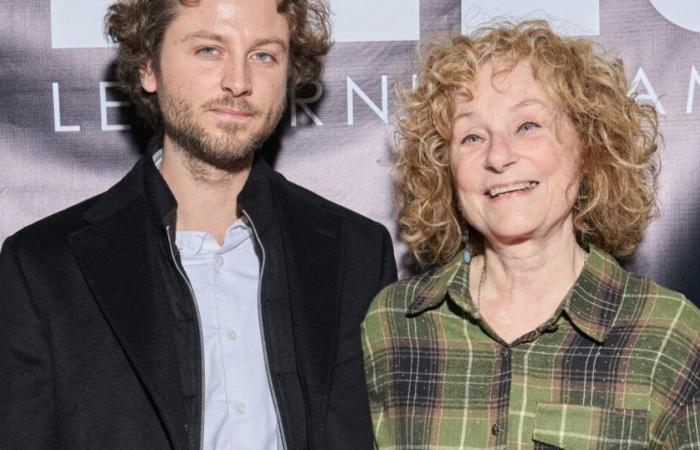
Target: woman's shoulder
{"x":661,"y":327}
{"x":636,"y":299}
{"x":403,"y":291}
{"x":647,"y":301}
{"x":430,"y":285}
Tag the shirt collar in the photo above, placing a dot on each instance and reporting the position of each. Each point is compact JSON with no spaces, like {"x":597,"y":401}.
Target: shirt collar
{"x":243,"y":222}
{"x":157,"y":157}
{"x":591,"y":304}
{"x":595,"y":298}
{"x":452,"y":278}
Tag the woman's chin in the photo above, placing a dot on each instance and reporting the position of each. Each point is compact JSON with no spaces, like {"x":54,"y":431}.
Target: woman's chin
{"x":509,"y":239}
{"x":531,"y":226}
{"x":513,"y":231}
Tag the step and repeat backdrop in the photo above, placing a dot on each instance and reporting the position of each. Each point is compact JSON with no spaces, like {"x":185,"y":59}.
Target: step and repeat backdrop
{"x":65,"y":133}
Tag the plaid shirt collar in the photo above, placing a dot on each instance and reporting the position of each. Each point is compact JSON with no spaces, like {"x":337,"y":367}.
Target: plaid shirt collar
{"x":591,"y":304}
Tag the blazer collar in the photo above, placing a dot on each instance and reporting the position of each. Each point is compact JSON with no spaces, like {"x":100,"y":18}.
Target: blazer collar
{"x":143,"y":181}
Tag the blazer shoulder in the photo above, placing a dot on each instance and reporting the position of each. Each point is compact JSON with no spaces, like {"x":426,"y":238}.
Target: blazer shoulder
{"x":367,"y":245}
{"x":53,"y":230}
{"x":304,"y":195}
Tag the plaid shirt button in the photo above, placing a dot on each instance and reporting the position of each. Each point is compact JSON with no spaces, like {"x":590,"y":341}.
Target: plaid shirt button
{"x":497,"y":429}
{"x":505,"y":353}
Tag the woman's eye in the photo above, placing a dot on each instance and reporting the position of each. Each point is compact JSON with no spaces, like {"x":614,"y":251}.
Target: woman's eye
{"x":528,"y":126}
{"x":470,"y":139}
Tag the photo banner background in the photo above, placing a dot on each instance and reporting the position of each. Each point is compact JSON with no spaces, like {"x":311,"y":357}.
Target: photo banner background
{"x":64,"y":130}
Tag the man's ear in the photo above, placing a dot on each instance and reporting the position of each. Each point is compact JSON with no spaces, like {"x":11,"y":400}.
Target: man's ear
{"x":149,"y":81}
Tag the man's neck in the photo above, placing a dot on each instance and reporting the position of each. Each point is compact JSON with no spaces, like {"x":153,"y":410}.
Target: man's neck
{"x":206,"y":196}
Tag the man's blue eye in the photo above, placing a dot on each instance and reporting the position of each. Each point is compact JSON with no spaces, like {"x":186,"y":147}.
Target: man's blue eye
{"x":262,"y":56}
{"x":207,"y":50}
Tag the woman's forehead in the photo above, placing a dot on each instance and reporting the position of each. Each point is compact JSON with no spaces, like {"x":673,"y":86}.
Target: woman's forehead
{"x":513,"y":86}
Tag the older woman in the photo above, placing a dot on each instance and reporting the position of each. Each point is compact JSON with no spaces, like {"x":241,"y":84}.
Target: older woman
{"x":525,"y":172}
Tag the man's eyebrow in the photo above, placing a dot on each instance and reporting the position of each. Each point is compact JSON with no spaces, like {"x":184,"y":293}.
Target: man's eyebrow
{"x":273,"y":41}
{"x":203,"y":34}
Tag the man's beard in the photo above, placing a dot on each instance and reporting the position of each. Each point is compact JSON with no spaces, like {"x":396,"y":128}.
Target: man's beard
{"x":225,"y":151}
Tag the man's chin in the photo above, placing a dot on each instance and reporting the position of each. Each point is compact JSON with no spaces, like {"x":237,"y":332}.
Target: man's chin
{"x":231,"y":159}
{"x":223,"y":151}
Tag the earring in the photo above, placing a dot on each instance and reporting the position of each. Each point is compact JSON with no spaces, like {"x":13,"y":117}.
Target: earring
{"x":465,"y":241}
{"x":581,"y":198}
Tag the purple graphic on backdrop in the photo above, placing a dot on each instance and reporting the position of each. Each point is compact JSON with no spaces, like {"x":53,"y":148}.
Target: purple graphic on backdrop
{"x":66,"y":135}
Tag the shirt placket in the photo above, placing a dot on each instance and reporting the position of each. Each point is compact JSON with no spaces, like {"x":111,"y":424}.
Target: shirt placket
{"x":501,"y":396}
{"x":519,"y":398}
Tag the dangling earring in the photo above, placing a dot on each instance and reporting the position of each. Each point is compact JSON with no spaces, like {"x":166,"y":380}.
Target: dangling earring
{"x":581,"y":197}
{"x":580,"y":200}
{"x":465,"y":242}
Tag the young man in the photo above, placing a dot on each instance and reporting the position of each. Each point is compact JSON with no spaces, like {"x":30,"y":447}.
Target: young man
{"x":204,"y":301}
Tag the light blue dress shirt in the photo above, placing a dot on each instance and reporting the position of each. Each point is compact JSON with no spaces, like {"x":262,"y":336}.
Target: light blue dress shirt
{"x":239,"y":412}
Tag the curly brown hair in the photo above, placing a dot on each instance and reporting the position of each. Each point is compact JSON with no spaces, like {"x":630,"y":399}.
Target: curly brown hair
{"x":138,"y":27}
{"x":619,"y":166}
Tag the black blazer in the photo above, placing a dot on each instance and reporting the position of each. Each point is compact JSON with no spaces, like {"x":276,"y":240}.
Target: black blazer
{"x":99,"y":341}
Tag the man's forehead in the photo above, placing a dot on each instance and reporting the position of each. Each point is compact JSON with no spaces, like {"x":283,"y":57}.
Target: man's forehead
{"x":229,"y":7}
{"x":260,"y":17}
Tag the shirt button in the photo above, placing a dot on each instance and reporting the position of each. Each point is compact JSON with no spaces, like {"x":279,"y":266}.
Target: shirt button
{"x":241,"y":408}
{"x":497,"y":429}
{"x":232,"y":335}
{"x":505,"y":353}
{"x":219,"y":260}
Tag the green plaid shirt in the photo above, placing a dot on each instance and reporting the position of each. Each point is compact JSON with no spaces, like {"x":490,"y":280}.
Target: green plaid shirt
{"x":616,"y":367}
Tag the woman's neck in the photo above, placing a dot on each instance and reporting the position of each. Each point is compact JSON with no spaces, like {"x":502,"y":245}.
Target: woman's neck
{"x":525,"y":282}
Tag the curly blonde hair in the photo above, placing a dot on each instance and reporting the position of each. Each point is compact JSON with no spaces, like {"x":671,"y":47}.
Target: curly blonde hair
{"x":138,"y":27}
{"x":617,"y":194}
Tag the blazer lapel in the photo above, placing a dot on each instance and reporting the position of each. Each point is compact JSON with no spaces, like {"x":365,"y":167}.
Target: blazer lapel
{"x":310,"y":253}
{"x":118,"y":257}
{"x":313,"y":246}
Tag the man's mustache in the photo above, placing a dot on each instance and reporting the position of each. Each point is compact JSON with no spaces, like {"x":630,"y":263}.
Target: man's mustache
{"x":241,"y":105}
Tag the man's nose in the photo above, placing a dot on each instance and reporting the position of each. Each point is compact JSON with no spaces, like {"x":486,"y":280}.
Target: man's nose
{"x":236,"y":78}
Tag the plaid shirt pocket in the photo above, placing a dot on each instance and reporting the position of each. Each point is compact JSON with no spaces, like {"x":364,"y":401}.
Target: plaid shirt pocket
{"x":573,"y":427}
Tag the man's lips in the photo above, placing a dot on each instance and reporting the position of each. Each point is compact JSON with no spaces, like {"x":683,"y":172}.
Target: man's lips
{"x":510,"y":188}
{"x":232,"y":113}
